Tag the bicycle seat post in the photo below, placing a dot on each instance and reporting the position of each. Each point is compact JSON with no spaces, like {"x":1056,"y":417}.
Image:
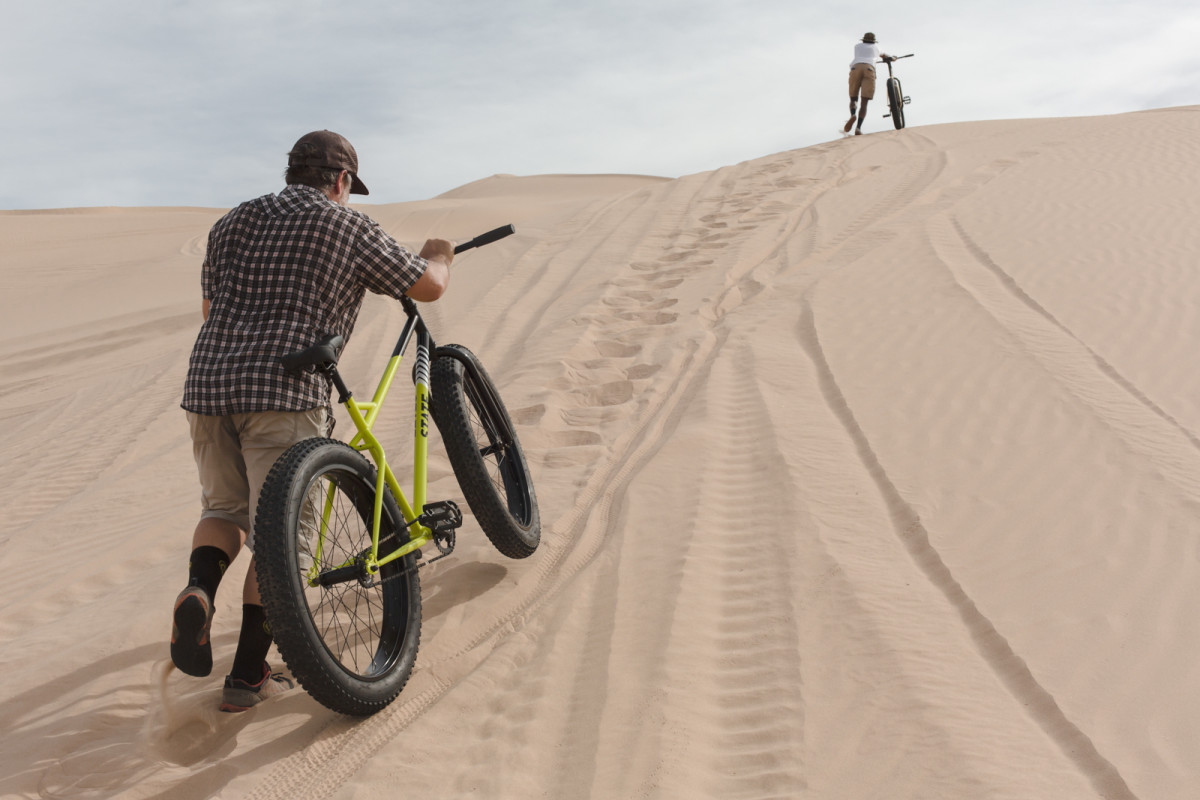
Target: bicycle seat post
{"x":339,"y":384}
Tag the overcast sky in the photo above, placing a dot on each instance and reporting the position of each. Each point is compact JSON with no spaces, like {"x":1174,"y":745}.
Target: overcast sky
{"x":196,"y":102}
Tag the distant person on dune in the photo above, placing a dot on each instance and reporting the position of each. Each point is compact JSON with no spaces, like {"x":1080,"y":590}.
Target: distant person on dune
{"x":280,"y":272}
{"x":862,"y":79}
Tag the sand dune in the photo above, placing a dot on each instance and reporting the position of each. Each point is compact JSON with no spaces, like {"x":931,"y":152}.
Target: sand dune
{"x":866,"y":470}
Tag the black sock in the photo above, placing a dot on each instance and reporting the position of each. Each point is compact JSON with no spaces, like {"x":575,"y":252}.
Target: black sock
{"x":206,"y":566}
{"x":253,"y":644}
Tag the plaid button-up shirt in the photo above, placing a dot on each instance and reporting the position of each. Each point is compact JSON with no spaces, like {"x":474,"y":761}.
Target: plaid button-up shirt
{"x":281,"y":272}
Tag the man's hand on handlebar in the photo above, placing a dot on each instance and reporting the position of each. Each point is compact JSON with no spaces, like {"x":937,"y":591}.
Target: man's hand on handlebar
{"x":439,"y":253}
{"x":438,"y":250}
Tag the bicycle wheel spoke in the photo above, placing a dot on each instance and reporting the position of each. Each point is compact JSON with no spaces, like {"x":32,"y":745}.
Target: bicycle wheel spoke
{"x":492,"y":448}
{"x":350,"y":618}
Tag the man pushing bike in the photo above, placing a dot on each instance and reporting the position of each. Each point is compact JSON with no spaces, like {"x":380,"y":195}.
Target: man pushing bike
{"x":862,"y":79}
{"x":280,"y":272}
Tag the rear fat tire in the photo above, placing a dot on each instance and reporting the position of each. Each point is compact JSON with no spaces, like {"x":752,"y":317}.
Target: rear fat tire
{"x":356,"y":674}
{"x":487,"y":458}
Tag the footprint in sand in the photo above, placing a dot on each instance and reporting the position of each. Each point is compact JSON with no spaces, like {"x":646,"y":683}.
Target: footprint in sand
{"x":632,"y":296}
{"x":613,"y":393}
{"x":530,"y":415}
{"x":649,"y":317}
{"x":590,"y":416}
{"x":610,"y":349}
{"x":670,"y":283}
{"x":566,"y":448}
{"x":640,"y":371}
{"x":572,"y":438}
{"x":661,"y":271}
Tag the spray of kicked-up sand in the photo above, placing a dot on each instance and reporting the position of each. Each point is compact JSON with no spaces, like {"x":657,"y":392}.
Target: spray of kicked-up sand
{"x":180,"y":728}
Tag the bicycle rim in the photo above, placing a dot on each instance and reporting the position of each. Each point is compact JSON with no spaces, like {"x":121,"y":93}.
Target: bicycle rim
{"x":504,"y":466}
{"x":360,"y":623}
{"x":896,"y":102}
{"x":484,"y":450}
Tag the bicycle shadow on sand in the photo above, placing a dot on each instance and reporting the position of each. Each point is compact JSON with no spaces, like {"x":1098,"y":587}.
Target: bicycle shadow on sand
{"x":457,"y":585}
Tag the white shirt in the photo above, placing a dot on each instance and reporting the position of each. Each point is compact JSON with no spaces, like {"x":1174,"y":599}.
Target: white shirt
{"x":865,"y":54}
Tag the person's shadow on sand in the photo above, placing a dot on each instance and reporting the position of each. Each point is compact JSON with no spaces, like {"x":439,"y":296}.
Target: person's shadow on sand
{"x":122,"y":737}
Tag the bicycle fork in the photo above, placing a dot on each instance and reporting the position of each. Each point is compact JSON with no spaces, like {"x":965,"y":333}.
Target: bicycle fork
{"x":423,"y":420}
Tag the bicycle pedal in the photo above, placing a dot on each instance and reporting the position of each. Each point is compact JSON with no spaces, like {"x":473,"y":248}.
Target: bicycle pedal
{"x":441,"y":517}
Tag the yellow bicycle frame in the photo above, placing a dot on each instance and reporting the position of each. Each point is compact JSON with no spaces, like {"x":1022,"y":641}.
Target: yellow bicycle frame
{"x":364,"y":414}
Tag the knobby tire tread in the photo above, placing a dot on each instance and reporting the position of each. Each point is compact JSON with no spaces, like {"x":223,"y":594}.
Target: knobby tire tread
{"x":452,"y":413}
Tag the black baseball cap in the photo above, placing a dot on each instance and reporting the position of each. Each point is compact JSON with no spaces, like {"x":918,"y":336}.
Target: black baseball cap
{"x":327,"y":150}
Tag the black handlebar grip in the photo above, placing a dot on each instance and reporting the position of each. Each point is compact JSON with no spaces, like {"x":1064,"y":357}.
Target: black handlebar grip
{"x":486,"y":238}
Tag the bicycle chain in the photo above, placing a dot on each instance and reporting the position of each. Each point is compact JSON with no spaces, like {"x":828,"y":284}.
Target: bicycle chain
{"x":418,"y":563}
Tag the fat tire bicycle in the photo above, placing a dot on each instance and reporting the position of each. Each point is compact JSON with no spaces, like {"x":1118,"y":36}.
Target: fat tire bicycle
{"x":338,"y":544}
{"x":896,"y":99}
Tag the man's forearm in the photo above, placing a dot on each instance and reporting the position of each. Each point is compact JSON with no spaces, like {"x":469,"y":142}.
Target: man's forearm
{"x":433,"y":282}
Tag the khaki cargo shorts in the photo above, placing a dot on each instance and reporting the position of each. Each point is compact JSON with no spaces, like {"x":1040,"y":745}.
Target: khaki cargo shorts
{"x":234,"y":453}
{"x":862,"y":78}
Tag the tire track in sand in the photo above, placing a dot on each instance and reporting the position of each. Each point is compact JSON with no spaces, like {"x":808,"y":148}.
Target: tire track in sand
{"x":1008,"y":666}
{"x":740,"y":686}
{"x":715,"y":682}
{"x":1018,"y":292}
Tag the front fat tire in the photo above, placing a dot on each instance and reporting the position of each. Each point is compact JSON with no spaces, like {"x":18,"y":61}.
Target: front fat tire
{"x":487,"y":458}
{"x":896,"y":102}
{"x":352,"y":647}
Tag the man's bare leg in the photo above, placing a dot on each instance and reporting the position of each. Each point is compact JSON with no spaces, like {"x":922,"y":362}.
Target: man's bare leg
{"x":216,"y":532}
{"x":862,"y":115}
{"x":853,"y":109}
